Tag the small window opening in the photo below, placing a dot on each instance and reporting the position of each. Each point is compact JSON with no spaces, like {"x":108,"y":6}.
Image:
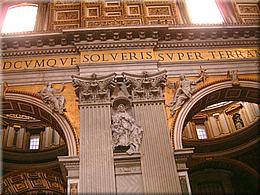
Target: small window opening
{"x":204,"y":12}
{"x":34,"y":142}
{"x":20,"y":18}
{"x":201,"y":132}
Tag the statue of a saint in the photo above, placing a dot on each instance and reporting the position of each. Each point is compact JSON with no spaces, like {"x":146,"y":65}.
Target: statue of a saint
{"x":53,"y":98}
{"x":184,"y":90}
{"x":125,"y":132}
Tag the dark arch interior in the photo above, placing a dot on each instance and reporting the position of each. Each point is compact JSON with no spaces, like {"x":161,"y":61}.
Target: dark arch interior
{"x":227,"y":164}
{"x":222,"y":176}
{"x":36,"y":166}
{"x":227,"y":94}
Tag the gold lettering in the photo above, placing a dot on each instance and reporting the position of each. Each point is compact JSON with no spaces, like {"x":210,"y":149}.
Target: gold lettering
{"x":51,"y":62}
{"x":40,"y":64}
{"x":63,"y":62}
{"x":7,"y":65}
{"x":198,"y":56}
{"x":28,"y":64}
{"x":15,"y":65}
{"x":114,"y":56}
{"x":180,"y":55}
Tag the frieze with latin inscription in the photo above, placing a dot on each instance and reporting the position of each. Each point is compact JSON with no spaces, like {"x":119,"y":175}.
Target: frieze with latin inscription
{"x":90,"y":57}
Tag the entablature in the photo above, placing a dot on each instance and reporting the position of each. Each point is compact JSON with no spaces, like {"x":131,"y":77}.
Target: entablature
{"x":156,"y":37}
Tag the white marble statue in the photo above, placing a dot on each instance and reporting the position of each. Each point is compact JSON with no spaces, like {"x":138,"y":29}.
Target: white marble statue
{"x":184,"y":89}
{"x":53,"y":98}
{"x":125,"y":132}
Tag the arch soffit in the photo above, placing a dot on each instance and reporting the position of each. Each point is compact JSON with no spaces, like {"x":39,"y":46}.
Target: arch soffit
{"x":225,"y":163}
{"x":33,"y":180}
{"x":27,"y":104}
{"x":209,"y":93}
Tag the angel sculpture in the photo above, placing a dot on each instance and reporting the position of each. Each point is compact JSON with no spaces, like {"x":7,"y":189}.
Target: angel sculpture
{"x":53,"y":98}
{"x":185,"y":89}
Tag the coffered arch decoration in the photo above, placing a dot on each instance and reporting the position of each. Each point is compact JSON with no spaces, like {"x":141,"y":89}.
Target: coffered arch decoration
{"x":27,"y":104}
{"x":33,"y":182}
{"x":248,"y":91}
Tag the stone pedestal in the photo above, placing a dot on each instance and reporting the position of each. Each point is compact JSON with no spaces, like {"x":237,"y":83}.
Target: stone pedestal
{"x":70,"y":169}
{"x":181,"y":157}
{"x":128,"y":173}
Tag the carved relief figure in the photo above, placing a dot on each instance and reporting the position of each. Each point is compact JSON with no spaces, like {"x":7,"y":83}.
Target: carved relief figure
{"x":125,"y":132}
{"x":4,"y":88}
{"x":185,"y":89}
{"x":234,"y":77}
{"x":53,"y":98}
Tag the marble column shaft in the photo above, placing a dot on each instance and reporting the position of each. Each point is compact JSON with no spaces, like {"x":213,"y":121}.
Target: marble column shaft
{"x":158,"y":164}
{"x":96,"y":155}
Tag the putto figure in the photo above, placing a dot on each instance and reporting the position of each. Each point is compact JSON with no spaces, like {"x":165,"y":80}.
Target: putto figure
{"x":184,"y":89}
{"x":53,"y":98}
{"x":125,"y":132}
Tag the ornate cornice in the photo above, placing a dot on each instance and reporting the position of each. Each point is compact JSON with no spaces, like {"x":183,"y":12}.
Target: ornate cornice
{"x":163,"y":37}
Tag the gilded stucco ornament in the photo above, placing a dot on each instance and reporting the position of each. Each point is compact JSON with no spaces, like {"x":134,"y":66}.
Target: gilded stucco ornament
{"x":93,"y":89}
{"x":124,"y":130}
{"x":184,"y":89}
{"x":53,"y":98}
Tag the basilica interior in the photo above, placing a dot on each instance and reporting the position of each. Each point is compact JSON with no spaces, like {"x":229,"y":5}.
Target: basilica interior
{"x":130,"y":96}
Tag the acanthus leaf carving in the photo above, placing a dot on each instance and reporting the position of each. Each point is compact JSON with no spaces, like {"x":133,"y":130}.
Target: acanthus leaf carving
{"x":93,"y":89}
{"x":146,"y":86}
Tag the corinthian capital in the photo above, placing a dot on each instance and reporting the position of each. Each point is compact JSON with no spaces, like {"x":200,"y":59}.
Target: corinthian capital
{"x":94,"y":88}
{"x":147,"y":86}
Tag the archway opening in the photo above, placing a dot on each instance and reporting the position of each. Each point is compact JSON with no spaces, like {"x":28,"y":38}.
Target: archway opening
{"x":221,"y":122}
{"x":32,"y":139}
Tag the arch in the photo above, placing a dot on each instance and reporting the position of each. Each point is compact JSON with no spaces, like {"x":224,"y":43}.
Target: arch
{"x":32,"y":105}
{"x":222,"y":91}
{"x":225,"y":163}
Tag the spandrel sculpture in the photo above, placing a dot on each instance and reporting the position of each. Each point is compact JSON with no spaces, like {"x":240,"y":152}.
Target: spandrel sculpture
{"x":184,"y":90}
{"x":53,"y":98}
